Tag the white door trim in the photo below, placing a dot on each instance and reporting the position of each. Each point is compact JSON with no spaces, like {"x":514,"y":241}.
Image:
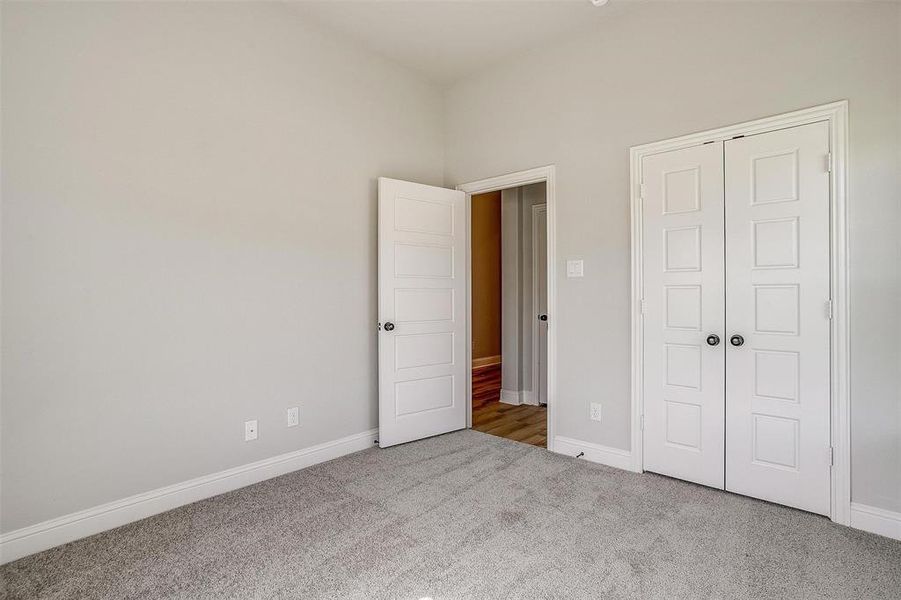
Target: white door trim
{"x":536,"y":395}
{"x":836,"y":114}
{"x":546,"y":174}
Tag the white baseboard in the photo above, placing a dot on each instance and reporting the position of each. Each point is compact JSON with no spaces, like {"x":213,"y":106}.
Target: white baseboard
{"x":519,"y":397}
{"x":529,"y":397}
{"x":876,"y":520}
{"x":513,"y":397}
{"x":35,"y":538}
{"x":486,"y":361}
{"x":612,"y":457}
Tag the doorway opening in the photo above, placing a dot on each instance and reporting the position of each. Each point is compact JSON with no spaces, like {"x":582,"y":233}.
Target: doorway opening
{"x":509,"y":316}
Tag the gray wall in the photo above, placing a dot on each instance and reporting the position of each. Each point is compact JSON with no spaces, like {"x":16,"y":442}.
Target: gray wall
{"x":516,"y":289}
{"x":188,"y":240}
{"x":511,"y":281}
{"x":668,"y":69}
{"x":530,"y":196}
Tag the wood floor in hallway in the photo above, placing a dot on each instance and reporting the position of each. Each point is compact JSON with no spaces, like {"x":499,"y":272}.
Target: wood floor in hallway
{"x":523,"y":423}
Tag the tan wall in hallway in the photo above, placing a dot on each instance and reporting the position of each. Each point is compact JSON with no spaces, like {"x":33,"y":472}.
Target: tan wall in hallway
{"x":486,"y":275}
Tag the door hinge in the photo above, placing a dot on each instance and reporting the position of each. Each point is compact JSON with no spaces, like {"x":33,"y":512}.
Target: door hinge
{"x":831,"y":456}
{"x":642,"y":306}
{"x":829,"y":162}
{"x":641,"y":423}
{"x":829,"y":309}
{"x":641,"y":190}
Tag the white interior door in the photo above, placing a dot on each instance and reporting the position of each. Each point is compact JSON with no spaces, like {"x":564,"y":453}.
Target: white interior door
{"x":682,"y":196}
{"x":539,"y":281}
{"x":422,"y":311}
{"x":777,"y":267}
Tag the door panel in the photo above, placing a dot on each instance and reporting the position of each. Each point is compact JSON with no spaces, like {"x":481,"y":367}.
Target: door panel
{"x":422,"y":359}
{"x":683,"y":298}
{"x":777,"y":269}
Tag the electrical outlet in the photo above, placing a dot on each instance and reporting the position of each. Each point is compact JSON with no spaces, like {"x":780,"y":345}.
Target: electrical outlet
{"x":250,"y":430}
{"x":293,"y":416}
{"x":595,"y":412}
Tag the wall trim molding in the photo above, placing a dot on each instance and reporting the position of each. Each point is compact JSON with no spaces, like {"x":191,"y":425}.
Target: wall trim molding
{"x":529,"y":397}
{"x":516,"y":398}
{"x":513,"y":397}
{"x":836,"y":114}
{"x":486,"y":361}
{"x":604,"y":455}
{"x":876,"y":520}
{"x":48,"y":534}
{"x":535,"y":322}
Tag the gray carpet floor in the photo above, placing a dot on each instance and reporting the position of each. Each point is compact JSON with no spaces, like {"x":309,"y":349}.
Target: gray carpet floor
{"x":468,"y":515}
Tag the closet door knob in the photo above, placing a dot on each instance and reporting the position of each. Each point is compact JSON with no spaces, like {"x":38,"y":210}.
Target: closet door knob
{"x":389,"y":326}
{"x":713,"y":340}
{"x":542,"y":317}
{"x":736,"y":340}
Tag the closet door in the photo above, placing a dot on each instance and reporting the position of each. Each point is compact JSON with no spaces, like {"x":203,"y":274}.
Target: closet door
{"x":777,"y":359}
{"x":682,"y":237}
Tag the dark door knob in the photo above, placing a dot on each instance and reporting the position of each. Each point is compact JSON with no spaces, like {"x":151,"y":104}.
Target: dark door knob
{"x":736,"y":340}
{"x":542,"y":317}
{"x":713,"y":339}
{"x":389,"y":326}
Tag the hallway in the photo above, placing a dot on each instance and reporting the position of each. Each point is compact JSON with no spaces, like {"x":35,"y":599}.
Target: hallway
{"x":523,"y":423}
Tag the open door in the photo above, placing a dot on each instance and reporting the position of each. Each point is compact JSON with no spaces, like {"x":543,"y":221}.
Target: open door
{"x":422,"y":311}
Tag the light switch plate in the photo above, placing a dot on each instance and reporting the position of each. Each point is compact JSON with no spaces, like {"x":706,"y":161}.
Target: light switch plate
{"x":575,"y":268}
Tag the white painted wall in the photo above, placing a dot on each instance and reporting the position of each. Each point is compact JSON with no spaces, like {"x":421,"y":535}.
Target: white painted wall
{"x":516,"y":285}
{"x":188,"y":240}
{"x":668,"y":69}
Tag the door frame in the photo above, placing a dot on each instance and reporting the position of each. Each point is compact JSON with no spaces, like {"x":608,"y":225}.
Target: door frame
{"x":836,"y":114}
{"x":546,"y":174}
{"x":536,"y":392}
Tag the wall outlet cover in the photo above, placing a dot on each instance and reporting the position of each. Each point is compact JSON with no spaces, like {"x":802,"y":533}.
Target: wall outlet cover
{"x":595,"y":411}
{"x":293,"y":416}
{"x":251,"y":431}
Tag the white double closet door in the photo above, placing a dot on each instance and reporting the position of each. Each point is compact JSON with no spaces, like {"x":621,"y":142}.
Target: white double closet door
{"x":736,"y":315}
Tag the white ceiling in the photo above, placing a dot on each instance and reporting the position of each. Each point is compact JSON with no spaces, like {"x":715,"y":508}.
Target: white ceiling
{"x":446,"y":40}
